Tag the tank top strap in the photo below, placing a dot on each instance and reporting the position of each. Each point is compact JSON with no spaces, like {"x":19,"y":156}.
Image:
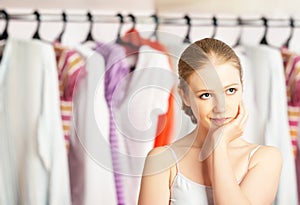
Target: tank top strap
{"x":174,"y":156}
{"x":249,"y":158}
{"x":252,"y":153}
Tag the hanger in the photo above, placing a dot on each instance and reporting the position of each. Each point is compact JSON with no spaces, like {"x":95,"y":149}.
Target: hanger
{"x":119,"y":39}
{"x":36,"y":34}
{"x":133,"y":20}
{"x":156,"y":21}
{"x":132,"y":38}
{"x":264,"y":41}
{"x":121,"y":23}
{"x":215,"y":23}
{"x":240,"y":24}
{"x":292,"y":25}
{"x":188,"y":23}
{"x":4,"y":35}
{"x":64,"y":18}
{"x":89,"y":36}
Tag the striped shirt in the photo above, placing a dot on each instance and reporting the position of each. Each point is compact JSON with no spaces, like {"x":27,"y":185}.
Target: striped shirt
{"x":292,"y":73}
{"x":116,"y":68}
{"x":69,"y":65}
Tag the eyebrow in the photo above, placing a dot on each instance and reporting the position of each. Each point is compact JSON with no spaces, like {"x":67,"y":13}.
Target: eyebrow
{"x":207,"y":90}
{"x":233,"y":84}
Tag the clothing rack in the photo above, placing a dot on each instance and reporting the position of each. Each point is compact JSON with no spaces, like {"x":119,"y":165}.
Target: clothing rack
{"x":157,"y":19}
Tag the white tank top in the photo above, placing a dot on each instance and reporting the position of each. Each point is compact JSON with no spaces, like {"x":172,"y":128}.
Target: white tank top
{"x":185,"y":191}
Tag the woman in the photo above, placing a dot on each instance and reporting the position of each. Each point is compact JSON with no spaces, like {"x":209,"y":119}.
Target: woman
{"x":212,"y":164}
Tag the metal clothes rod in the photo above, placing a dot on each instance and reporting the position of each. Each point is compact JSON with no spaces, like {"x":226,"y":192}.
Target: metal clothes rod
{"x":177,"y":21}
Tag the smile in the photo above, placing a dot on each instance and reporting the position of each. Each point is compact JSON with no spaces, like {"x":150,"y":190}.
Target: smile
{"x":219,"y":121}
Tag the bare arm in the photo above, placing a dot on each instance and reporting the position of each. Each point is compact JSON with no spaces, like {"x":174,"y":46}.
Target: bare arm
{"x":259,"y":186}
{"x":155,"y":180}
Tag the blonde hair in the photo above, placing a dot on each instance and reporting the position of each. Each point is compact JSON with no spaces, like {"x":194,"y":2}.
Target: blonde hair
{"x":198,"y":55}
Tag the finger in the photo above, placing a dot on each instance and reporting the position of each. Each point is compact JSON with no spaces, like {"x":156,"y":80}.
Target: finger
{"x":244,"y":117}
{"x":240,"y":115}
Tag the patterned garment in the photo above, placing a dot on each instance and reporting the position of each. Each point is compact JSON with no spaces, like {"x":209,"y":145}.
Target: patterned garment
{"x":71,"y":69}
{"x":116,"y":69}
{"x":69,"y":65}
{"x":292,"y":73}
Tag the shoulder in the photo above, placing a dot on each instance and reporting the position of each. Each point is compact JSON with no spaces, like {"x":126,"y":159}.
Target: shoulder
{"x":155,"y":181}
{"x":158,"y":160}
{"x":157,"y":151}
{"x":267,"y":152}
{"x":266,"y":155}
{"x":176,"y":147}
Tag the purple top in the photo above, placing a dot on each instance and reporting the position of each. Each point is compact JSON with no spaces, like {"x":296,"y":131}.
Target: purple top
{"x":116,"y":68}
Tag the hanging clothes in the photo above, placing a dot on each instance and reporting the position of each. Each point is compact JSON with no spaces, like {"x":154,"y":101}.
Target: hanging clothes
{"x":166,"y":121}
{"x":297,"y":160}
{"x":116,"y":68}
{"x":33,"y":160}
{"x":270,"y":113}
{"x":182,"y":122}
{"x":165,"y":124}
{"x":298,"y":134}
{"x":248,"y":79}
{"x":70,"y":67}
{"x":292,"y":76}
{"x":147,"y":94}
{"x":92,"y":130}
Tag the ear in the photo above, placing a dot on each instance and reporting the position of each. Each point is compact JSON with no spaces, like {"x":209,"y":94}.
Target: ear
{"x":184,"y":96}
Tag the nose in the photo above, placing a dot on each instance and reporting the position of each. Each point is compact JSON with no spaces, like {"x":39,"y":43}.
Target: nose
{"x":219,"y":104}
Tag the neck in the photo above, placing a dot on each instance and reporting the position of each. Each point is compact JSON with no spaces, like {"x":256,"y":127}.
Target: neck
{"x":200,"y":133}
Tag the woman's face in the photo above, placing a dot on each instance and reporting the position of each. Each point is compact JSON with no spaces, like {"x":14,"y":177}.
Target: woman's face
{"x":215,"y":94}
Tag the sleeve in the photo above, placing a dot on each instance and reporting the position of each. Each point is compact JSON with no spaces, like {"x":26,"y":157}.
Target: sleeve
{"x":296,"y":91}
{"x":51,"y":139}
{"x":74,"y":71}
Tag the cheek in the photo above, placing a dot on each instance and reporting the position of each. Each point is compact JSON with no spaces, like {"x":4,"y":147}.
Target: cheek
{"x":202,"y":108}
{"x":195,"y":106}
{"x":233,"y":102}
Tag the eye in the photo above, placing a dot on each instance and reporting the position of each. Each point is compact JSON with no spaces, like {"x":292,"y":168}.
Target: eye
{"x":231,"y":91}
{"x":205,"y":96}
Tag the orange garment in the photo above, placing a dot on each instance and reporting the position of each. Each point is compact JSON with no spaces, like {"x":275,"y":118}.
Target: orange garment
{"x":164,"y":135}
{"x":165,"y":125}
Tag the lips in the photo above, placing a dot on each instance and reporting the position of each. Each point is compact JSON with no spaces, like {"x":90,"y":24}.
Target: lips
{"x":219,"y":121}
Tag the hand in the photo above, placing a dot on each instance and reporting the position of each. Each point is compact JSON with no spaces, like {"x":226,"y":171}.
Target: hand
{"x":235,"y":128}
{"x":226,"y":133}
